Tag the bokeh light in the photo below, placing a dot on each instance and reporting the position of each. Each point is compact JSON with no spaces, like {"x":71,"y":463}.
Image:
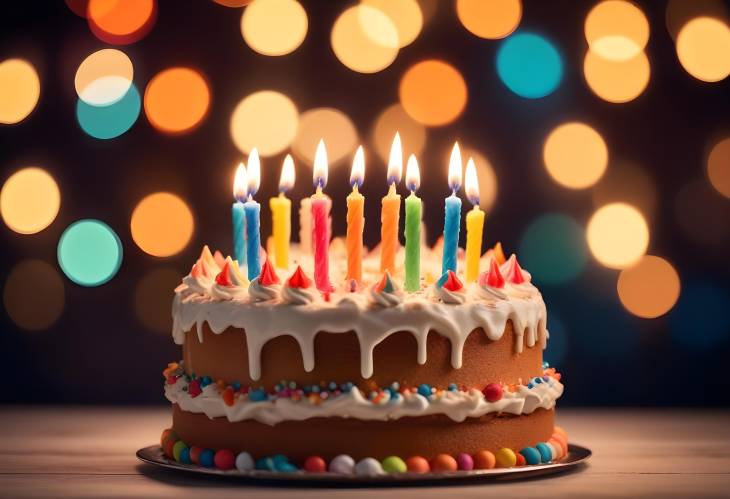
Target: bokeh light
{"x":328,"y":124}
{"x":406,"y":17}
{"x":489,"y":19}
{"x":575,"y":155}
{"x":89,"y":252}
{"x":616,"y":30}
{"x":680,"y":12}
{"x":428,"y":9}
{"x":34,"y":295}
{"x":627,"y":182}
{"x":176,"y":100}
{"x":266,"y":120}
{"x":104,"y":77}
{"x":700,"y":320}
{"x":110,"y":121}
{"x":152,"y":297}
{"x":529,"y":65}
{"x":616,"y":81}
{"x":553,"y":249}
{"x":703,"y":214}
{"x":557,"y":345}
{"x":21,"y":89}
{"x":121,"y":22}
{"x":274,"y":27}
{"x":486,"y":176}
{"x":78,"y":7}
{"x":433,"y":92}
{"x":718,"y":167}
{"x":703,"y":49}
{"x":234,"y":4}
{"x":365,"y":39}
{"x":617,"y":235}
{"x":649,"y":288}
{"x":29,"y":200}
{"x":395,"y":119}
{"x":162,"y":224}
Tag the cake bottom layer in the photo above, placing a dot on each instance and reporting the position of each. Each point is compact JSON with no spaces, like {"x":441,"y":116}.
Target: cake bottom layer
{"x":425,"y":436}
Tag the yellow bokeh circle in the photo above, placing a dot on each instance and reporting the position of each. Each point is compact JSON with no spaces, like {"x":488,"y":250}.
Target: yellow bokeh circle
{"x":176,"y":100}
{"x":703,"y":48}
{"x":20,"y":89}
{"x":365,"y":39}
{"x":274,"y":27}
{"x":267,"y":120}
{"x":489,"y":18}
{"x":406,"y":16}
{"x":718,"y":167}
{"x":616,"y":81}
{"x":104,"y":77}
{"x":29,"y":200}
{"x":433,"y":92}
{"x":162,"y":224}
{"x":618,"y":235}
{"x":617,"y":30}
{"x":328,"y":124}
{"x":649,"y":288}
{"x":575,"y":155}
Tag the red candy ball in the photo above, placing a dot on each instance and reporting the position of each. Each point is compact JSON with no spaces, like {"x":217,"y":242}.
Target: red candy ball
{"x":417,"y":464}
{"x":492,"y":392}
{"x":443,"y":462}
{"x":224,"y":459}
{"x":195,"y":454}
{"x":167,"y":447}
{"x":520,"y":459}
{"x":315,"y":464}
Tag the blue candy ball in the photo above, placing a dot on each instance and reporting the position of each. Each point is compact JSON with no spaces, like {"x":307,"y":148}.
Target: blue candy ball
{"x":424,"y":390}
{"x":206,"y":458}
{"x":258,"y":395}
{"x":531,"y":455}
{"x":185,"y":456}
{"x":453,"y":387}
{"x":546,"y":455}
{"x":205,"y":381}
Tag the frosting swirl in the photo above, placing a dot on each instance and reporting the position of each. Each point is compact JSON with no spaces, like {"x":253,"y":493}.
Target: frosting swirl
{"x":297,"y":296}
{"x":263,"y":292}
{"x":229,"y":283}
{"x":385,"y":293}
{"x":447,"y":296}
{"x":490,"y":292}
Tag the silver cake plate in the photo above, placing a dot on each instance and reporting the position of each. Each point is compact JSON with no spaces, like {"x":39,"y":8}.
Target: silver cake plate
{"x":577,"y":456}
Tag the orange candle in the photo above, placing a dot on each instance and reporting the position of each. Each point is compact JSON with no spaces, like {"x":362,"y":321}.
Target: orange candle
{"x":390,"y":212}
{"x":355,"y":218}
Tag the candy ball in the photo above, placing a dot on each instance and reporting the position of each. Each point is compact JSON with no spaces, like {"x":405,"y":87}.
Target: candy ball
{"x":505,"y":458}
{"x":553,"y":452}
{"x":520,"y":459}
{"x":546,"y":454}
{"x":417,"y":464}
{"x":195,"y":454}
{"x":314,"y":464}
{"x":559,"y":451}
{"x":207,"y":458}
{"x":560,"y":431}
{"x":167,"y":435}
{"x":563,"y":443}
{"x":343,"y":464}
{"x":443,"y":462}
{"x":167,"y":447}
{"x":368,"y":467}
{"x":465,"y":462}
{"x":484,"y":460}
{"x":244,"y":462}
{"x":224,"y":459}
{"x":394,"y":464}
{"x":492,"y":392}
{"x":531,"y":455}
{"x":185,"y":456}
{"x":177,"y":448}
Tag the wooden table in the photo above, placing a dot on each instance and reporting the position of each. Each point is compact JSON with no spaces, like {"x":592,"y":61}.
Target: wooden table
{"x":89,"y":452}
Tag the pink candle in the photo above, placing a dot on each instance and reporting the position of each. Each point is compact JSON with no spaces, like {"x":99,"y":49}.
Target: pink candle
{"x":320,"y":218}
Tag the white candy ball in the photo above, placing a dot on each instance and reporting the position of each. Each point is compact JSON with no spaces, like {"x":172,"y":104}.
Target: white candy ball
{"x":244,"y":462}
{"x":369,"y":467}
{"x":343,"y":464}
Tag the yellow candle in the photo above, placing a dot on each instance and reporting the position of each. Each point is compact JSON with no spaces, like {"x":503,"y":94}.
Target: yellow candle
{"x":281,"y":215}
{"x":474,"y":224}
{"x":355,"y":218}
{"x":390,"y":212}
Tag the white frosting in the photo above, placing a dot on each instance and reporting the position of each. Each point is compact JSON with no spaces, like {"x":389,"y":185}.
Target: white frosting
{"x":447,"y":296}
{"x":218,"y":292}
{"x":457,"y":405}
{"x":298,"y":296}
{"x":490,"y":292}
{"x":259,"y":292}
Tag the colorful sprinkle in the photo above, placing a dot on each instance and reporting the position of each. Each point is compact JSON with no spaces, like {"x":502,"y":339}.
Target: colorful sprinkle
{"x":492,"y":392}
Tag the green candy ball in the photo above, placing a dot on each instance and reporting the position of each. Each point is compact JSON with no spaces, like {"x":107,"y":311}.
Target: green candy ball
{"x":394,"y":464}
{"x":177,"y":449}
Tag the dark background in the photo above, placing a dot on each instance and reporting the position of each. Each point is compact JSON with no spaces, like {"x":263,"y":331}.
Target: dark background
{"x":100,"y":352}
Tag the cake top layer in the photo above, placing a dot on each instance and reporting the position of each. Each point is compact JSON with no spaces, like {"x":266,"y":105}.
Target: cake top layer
{"x":286,"y":303}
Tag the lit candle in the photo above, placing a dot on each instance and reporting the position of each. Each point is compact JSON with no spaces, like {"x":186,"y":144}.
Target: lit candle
{"x":413,"y":227}
{"x":305,"y":226}
{"x":390,"y":212}
{"x":452,"y":219}
{"x":355,"y":217}
{"x":474,"y":223}
{"x":320,"y":215}
{"x":253,"y":214}
{"x":281,"y":215}
{"x":239,"y":220}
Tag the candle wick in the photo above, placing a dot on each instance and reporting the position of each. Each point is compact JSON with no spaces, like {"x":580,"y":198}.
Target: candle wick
{"x":355,"y":187}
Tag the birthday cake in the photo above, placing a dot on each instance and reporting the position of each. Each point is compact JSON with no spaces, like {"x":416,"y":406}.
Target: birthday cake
{"x":348,"y":372}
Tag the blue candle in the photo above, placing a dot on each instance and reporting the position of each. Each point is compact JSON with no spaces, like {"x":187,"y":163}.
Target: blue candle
{"x":239,"y":221}
{"x":252,"y":209}
{"x":452,"y":208}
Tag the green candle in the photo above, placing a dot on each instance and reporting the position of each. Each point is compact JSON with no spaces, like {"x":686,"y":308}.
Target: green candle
{"x":413,"y":227}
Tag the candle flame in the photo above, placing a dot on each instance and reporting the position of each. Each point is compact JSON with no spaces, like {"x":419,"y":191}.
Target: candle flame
{"x":395,"y":162}
{"x":320,"y":165}
{"x":254,"y":172}
{"x":286,"y":180}
{"x":357,"y":174}
{"x":455,"y":168}
{"x":471,"y":182}
{"x":413,"y":175}
{"x":239,"y":183}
